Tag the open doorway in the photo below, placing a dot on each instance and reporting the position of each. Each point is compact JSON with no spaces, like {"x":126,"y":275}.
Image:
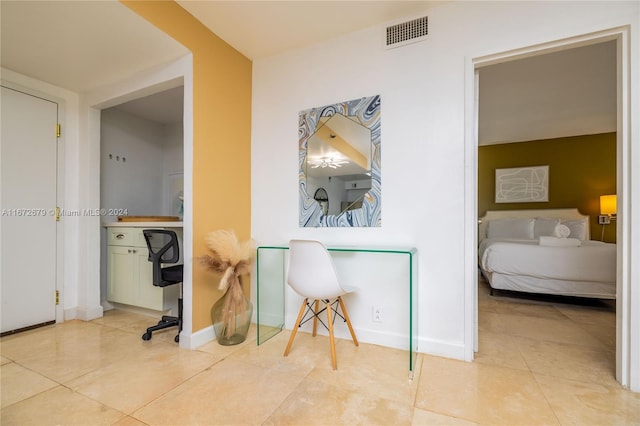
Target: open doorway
{"x":169,"y":76}
{"x":622,"y":175}
{"x":141,"y":180}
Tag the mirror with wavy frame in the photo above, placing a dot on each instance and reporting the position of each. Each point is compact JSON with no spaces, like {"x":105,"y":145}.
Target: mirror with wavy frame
{"x":339,"y":150}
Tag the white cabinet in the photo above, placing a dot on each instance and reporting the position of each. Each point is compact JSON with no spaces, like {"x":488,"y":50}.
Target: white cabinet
{"x":130,"y":273}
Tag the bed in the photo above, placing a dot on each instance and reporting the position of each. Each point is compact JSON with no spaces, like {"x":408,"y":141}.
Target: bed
{"x":545,"y":252}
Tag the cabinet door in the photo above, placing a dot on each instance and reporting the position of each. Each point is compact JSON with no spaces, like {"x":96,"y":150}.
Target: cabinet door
{"x":147,"y":295}
{"x":120,"y":286}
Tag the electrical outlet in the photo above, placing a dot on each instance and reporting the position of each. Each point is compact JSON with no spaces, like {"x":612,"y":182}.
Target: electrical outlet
{"x":377,"y":314}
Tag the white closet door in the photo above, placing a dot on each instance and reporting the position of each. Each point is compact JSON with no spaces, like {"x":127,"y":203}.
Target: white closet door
{"x":27,"y":200}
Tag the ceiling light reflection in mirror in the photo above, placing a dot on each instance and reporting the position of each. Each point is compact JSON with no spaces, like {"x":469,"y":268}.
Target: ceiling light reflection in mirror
{"x":339,"y":143}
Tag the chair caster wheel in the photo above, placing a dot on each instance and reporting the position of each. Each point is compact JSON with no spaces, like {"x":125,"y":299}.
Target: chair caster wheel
{"x":177,"y":338}
{"x":146,"y":336}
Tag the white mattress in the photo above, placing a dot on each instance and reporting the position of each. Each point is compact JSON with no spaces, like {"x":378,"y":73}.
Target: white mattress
{"x":524,"y":265}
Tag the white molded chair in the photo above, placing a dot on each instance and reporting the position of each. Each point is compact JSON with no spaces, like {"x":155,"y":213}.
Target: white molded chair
{"x":313,"y":276}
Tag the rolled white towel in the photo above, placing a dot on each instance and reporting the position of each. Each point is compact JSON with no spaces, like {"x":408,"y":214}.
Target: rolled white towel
{"x":561,"y":231}
{"x":559,"y":242}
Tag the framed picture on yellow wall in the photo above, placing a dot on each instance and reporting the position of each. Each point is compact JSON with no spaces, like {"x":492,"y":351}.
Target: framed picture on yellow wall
{"x":522,"y":184}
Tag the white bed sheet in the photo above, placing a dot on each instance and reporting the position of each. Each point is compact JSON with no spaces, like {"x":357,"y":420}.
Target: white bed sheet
{"x":524,"y":265}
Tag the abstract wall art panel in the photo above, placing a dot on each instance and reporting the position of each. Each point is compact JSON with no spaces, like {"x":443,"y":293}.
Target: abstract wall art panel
{"x":522,"y":184}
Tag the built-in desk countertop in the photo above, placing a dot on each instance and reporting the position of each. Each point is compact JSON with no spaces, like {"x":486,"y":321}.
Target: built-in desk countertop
{"x":148,"y":225}
{"x":270,"y":288}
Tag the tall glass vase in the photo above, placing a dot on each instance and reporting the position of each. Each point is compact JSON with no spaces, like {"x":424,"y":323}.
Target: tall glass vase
{"x":231,"y":315}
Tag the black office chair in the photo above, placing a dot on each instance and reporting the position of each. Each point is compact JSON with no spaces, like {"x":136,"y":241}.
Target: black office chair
{"x":163,"y":248}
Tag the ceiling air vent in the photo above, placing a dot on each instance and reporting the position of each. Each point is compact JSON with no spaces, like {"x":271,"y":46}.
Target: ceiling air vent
{"x":407,"y":32}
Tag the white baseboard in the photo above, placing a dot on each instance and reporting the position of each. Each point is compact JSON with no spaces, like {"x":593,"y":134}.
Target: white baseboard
{"x":374,"y":337}
{"x":69,"y":314}
{"x":268,"y":319}
{"x":151,"y":313}
{"x":454,"y":350}
{"x":88,"y":314}
{"x":197,"y":339}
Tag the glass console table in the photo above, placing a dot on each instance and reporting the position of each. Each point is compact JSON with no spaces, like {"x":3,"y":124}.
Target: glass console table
{"x":271,"y":270}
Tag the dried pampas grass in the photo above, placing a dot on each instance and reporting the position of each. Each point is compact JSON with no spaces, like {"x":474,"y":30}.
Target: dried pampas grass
{"x":228,"y":253}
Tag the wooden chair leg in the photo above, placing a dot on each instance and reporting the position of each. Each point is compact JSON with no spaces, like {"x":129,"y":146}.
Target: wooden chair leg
{"x":346,"y":317}
{"x":315,"y":317}
{"x":333,"y":343}
{"x":295,"y":328}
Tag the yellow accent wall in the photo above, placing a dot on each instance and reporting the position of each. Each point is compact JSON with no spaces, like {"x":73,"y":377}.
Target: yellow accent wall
{"x":581,"y":168}
{"x":221,"y":138}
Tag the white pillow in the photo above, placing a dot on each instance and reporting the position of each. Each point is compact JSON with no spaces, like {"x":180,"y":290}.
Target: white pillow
{"x":510,"y":228}
{"x":578,"y":228}
{"x":544,"y":226}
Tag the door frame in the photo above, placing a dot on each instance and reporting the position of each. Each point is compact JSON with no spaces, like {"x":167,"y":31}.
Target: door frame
{"x":627,"y":306}
{"x":60,"y":192}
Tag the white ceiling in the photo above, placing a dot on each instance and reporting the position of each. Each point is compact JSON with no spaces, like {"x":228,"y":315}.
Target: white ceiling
{"x":82,"y":45}
{"x":263,"y":28}
{"x":566,"y":93}
{"x":165,"y":107}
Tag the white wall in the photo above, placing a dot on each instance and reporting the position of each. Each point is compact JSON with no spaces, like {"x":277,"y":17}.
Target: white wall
{"x":423,"y":136}
{"x":152,"y":151}
{"x":173,"y":162}
{"x":132,"y":157}
{"x":173,"y":148}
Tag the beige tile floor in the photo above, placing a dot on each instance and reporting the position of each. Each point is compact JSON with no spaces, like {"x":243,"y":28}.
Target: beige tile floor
{"x":539,"y":363}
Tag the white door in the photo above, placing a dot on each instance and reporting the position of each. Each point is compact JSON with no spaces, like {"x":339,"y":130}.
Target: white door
{"x":27,"y":200}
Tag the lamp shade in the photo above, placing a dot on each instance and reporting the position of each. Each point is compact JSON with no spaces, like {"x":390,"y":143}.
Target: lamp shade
{"x":608,"y":204}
